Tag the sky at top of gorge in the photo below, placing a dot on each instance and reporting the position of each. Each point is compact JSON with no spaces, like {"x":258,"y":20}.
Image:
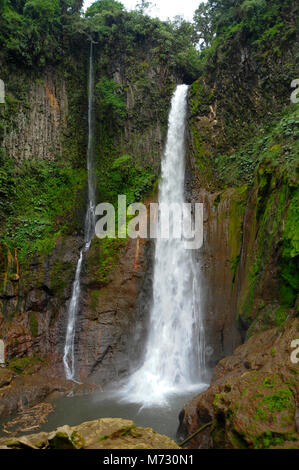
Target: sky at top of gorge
{"x":163,"y":8}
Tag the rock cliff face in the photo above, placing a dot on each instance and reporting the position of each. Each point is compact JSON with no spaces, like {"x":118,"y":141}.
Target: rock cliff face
{"x":34,"y":311}
{"x":33,"y":300}
{"x":242,"y":260}
{"x":147,"y":101}
{"x":40,"y":125}
{"x":113,"y":315}
{"x":243,"y":163}
{"x":218,"y":297}
{"x":48,"y":123}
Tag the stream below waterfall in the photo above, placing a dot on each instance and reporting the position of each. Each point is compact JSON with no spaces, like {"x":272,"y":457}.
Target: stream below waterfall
{"x":107,"y":404}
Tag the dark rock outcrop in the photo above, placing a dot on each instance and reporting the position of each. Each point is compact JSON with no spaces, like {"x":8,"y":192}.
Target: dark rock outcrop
{"x":253,"y":397}
{"x":112,"y":315}
{"x":21,"y":391}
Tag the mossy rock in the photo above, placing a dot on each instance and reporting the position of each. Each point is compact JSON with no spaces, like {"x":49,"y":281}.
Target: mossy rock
{"x":106,"y":433}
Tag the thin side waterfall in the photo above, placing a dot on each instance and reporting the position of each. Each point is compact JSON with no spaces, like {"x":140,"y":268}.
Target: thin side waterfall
{"x":89,"y":228}
{"x":174,"y":356}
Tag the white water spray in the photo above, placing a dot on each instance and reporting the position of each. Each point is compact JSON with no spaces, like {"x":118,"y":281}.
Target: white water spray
{"x":89,"y":228}
{"x":174,"y":356}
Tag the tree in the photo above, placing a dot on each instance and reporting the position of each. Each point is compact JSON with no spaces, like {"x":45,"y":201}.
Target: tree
{"x":45,"y":12}
{"x":71,"y":6}
{"x":2,"y":4}
{"x":110,"y":99}
{"x":204,"y":24}
{"x":17,"y":5}
{"x":143,"y":6}
{"x":185,"y":30}
{"x":100,"y":6}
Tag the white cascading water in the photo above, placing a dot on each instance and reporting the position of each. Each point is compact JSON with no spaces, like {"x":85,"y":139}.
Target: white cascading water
{"x":174,"y":356}
{"x":89,"y":228}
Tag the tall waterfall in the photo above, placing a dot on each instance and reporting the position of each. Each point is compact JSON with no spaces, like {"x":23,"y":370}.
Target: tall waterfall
{"x":174,"y":356}
{"x":89,"y":228}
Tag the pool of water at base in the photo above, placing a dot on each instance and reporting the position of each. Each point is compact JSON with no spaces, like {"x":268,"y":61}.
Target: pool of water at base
{"x":78,"y":409}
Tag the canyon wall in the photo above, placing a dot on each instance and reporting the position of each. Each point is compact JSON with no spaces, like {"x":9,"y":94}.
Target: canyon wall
{"x":243,"y":164}
{"x":45,"y":127}
{"x":39,"y":126}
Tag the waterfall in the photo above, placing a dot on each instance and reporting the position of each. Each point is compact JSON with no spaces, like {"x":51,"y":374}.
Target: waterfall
{"x":174,"y":355}
{"x":89,"y":228}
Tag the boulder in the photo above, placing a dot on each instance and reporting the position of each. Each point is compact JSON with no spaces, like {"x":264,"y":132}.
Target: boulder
{"x":253,"y":397}
{"x":6,"y":376}
{"x":106,"y":433}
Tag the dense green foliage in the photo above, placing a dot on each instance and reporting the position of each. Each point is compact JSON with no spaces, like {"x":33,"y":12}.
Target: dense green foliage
{"x":203,"y":24}
{"x":257,"y":19}
{"x":258,"y":40}
{"x":37,"y":32}
{"x":111,"y":104}
{"x":37,"y":203}
{"x":170,"y":43}
{"x":276,"y":145}
{"x":40,"y":32}
{"x":125,"y":177}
